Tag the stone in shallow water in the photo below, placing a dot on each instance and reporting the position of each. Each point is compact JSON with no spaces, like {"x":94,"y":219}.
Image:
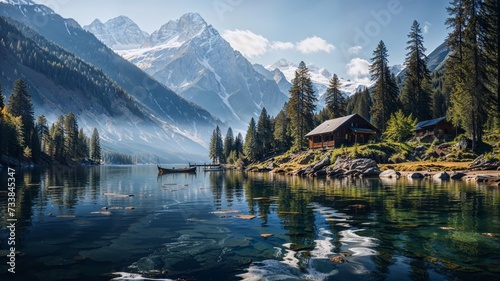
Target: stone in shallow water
{"x":337,"y":259}
{"x":246,"y":217}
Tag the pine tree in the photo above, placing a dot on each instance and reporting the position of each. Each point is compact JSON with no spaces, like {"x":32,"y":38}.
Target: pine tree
{"x":491,"y":25}
{"x":250,"y":145}
{"x":20,"y":105}
{"x":335,"y":101}
{"x":95,"y":146}
{"x":264,"y":134}
{"x":43,"y":132}
{"x":360,"y":103}
{"x":301,"y":106}
{"x":216,"y":151}
{"x":281,"y":135}
{"x":416,"y":94}
{"x":238,"y":145}
{"x":219,"y":146}
{"x":471,"y":101}
{"x":83,"y":145}
{"x":385,"y":92}
{"x":228,"y":142}
{"x":57,"y":137}
{"x":11,"y":137}
{"x":70,"y":136}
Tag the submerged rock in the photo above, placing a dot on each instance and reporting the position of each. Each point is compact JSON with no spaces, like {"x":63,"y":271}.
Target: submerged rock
{"x":457,"y":175}
{"x":390,"y":174}
{"x":415,"y":176}
{"x":441,"y":176}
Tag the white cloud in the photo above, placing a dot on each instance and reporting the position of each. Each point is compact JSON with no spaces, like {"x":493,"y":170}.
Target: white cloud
{"x":314,"y":44}
{"x":246,"y":42}
{"x":278,"y":45}
{"x":427,"y":26}
{"x":355,"y":50}
{"x":358,"y":69}
{"x":253,"y":45}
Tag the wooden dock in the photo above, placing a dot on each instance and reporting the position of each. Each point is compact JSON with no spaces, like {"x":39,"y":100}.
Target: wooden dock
{"x":204,"y":165}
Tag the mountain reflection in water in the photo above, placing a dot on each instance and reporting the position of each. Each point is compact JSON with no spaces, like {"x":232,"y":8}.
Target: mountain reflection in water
{"x":125,"y":222}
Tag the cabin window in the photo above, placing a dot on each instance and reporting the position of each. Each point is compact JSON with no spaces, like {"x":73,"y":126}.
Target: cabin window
{"x":346,"y":136}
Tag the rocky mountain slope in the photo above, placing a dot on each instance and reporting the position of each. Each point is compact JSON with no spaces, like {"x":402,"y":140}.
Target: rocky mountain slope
{"x":190,"y":57}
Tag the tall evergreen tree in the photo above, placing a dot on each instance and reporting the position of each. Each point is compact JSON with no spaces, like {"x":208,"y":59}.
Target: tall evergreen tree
{"x":281,"y":134}
{"x":416,"y":94}
{"x":70,"y":135}
{"x":491,"y":25}
{"x":57,"y":137}
{"x":238,"y":145}
{"x":301,"y":106}
{"x":360,"y":103}
{"x":42,"y":128}
{"x":335,"y":100}
{"x":250,"y":145}
{"x":228,"y":143}
{"x":83,"y":145}
{"x":20,"y":105}
{"x":216,"y":151}
{"x":264,"y":134}
{"x":95,"y":146}
{"x":385,"y":92}
{"x":471,"y":101}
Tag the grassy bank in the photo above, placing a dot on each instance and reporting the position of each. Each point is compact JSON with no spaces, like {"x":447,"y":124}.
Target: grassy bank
{"x":405,"y":156}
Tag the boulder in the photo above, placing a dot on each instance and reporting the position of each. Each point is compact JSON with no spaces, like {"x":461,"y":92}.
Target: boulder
{"x":372,"y":171}
{"x":307,"y":159}
{"x":323,"y":163}
{"x":390,"y":174}
{"x":320,"y":173}
{"x":345,"y":166}
{"x":457,"y":175}
{"x":415,"y":176}
{"x":485,"y":163}
{"x":441,"y":176}
{"x":309,"y":170}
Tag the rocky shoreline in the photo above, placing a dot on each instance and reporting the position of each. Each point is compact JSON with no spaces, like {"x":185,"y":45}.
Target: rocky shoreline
{"x":482,"y":170}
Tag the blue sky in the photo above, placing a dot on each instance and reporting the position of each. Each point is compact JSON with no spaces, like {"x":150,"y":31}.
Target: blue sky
{"x":339,"y":35}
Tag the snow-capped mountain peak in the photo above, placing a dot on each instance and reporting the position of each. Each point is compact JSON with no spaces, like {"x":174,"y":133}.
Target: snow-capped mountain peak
{"x":191,"y":57}
{"x":118,"y":33}
{"x":183,"y":29}
{"x":18,"y":2}
{"x":44,"y":10}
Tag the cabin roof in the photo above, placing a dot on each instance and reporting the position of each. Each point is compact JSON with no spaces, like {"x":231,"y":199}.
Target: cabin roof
{"x":333,"y":124}
{"x":428,"y":123}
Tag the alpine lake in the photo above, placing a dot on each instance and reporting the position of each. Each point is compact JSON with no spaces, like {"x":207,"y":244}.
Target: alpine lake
{"x":128,"y":223}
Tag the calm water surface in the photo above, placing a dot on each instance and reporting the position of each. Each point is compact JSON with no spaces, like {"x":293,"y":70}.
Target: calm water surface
{"x":187,"y":226}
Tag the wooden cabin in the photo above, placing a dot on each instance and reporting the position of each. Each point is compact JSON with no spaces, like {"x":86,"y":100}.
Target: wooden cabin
{"x":345,"y":130}
{"x":438,"y":128}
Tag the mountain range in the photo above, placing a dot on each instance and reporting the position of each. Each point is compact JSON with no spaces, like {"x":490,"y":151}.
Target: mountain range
{"x":190,"y":57}
{"x":207,"y":77}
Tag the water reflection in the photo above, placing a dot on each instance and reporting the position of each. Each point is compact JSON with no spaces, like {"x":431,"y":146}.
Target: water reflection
{"x":86,"y":223}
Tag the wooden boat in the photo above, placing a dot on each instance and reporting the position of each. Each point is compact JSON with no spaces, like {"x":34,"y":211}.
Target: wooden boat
{"x":162,"y":171}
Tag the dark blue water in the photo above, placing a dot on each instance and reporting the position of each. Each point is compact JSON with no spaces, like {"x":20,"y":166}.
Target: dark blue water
{"x":125,"y":222}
